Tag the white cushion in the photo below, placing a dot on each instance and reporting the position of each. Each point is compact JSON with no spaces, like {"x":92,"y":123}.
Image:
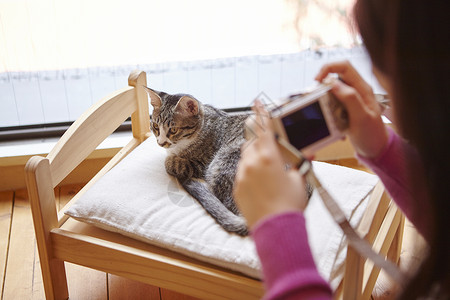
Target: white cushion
{"x":138,"y":199}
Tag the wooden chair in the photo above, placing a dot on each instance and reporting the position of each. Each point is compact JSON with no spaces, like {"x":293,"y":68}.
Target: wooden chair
{"x":61,"y":239}
{"x":382,"y":225}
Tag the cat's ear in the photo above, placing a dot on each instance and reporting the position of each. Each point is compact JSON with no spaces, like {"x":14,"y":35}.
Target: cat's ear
{"x":155,"y":99}
{"x":187,"y":106}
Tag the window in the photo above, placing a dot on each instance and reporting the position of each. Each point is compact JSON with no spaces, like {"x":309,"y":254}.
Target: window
{"x":59,"y":57}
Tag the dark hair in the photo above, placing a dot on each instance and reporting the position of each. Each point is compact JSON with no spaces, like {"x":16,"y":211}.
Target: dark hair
{"x":409,"y":42}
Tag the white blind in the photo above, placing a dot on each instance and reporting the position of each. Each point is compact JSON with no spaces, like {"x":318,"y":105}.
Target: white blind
{"x":58,"y":96}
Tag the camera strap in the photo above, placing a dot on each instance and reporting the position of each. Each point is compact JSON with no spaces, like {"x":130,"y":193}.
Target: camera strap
{"x":359,"y":244}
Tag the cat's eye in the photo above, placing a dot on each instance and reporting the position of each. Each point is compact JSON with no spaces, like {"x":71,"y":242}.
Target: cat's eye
{"x":155,"y":126}
{"x":173,"y":130}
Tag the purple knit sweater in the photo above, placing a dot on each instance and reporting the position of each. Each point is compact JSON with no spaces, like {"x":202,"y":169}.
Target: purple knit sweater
{"x":281,"y":241}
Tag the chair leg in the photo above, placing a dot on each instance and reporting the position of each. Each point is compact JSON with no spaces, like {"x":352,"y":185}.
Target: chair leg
{"x":54,"y":278}
{"x":43,"y":208}
{"x":353,"y":277}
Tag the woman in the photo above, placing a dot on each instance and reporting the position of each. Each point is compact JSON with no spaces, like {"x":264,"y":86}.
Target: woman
{"x":409,"y":45}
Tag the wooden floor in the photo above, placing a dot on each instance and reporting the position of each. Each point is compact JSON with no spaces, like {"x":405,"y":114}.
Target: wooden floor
{"x":19,"y":261}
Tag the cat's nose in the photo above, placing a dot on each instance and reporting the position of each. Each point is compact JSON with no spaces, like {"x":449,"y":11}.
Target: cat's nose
{"x":165,"y":144}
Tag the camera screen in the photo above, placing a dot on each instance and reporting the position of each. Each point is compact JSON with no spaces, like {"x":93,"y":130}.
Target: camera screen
{"x":306,"y":126}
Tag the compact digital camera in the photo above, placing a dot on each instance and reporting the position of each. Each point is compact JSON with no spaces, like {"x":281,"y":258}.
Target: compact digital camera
{"x":309,"y":121}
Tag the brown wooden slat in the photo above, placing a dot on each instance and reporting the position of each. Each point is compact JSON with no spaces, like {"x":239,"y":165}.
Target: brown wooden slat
{"x":6,"y":203}
{"x":121,"y":288}
{"x":171,"y":295}
{"x":86,"y":284}
{"x":23,"y":277}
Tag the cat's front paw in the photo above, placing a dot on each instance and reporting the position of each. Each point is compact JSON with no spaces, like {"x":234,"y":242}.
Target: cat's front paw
{"x":178,"y":167}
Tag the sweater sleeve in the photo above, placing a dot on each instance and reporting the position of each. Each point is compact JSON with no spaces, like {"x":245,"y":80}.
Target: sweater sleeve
{"x":397,"y":166}
{"x":289,"y":270}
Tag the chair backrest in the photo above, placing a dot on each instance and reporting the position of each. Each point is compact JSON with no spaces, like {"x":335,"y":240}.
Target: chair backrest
{"x":98,"y":122}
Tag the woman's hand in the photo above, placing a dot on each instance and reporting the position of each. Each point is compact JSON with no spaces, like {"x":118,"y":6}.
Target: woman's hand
{"x":263,"y":187}
{"x":367,"y":131}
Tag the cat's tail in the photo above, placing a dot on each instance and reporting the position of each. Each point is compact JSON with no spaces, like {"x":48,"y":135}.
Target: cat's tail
{"x":228,"y":220}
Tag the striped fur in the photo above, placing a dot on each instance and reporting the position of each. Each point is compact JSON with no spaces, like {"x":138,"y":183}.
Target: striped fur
{"x":203,"y":144}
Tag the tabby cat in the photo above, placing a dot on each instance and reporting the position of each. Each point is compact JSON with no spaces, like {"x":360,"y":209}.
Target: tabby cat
{"x":203,"y":145}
